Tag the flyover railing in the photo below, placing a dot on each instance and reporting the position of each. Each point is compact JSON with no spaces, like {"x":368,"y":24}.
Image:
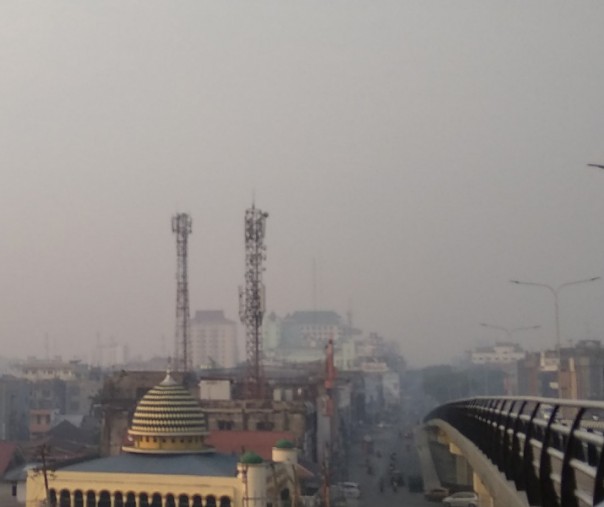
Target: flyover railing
{"x":550,"y":448}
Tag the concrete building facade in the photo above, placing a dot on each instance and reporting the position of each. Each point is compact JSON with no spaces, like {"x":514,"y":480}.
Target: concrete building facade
{"x":213,"y":340}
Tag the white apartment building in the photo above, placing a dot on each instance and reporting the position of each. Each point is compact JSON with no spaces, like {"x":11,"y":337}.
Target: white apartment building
{"x":213,"y":340}
{"x":501,"y":353}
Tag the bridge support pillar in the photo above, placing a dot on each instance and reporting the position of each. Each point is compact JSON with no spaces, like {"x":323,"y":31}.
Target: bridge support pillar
{"x":463,"y":470}
{"x":484,"y":497}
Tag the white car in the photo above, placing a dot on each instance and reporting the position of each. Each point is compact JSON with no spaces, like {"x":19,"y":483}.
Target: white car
{"x":350,"y":489}
{"x":461,"y":499}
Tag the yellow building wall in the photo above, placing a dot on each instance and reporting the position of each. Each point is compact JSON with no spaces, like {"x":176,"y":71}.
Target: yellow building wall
{"x":132,"y":483}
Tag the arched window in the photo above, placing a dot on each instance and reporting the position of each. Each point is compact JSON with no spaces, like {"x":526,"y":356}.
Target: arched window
{"x":90,"y":499}
{"x":285,"y":498}
{"x":210,"y":501}
{"x":130,"y":499}
{"x":156,"y":500}
{"x":78,"y":499}
{"x":197,"y":501}
{"x":52,"y":496}
{"x":143,"y":500}
{"x":183,"y":501}
{"x":225,"y":501}
{"x":104,"y":499}
{"x":64,"y":498}
{"x":170,"y":501}
{"x":119,"y":499}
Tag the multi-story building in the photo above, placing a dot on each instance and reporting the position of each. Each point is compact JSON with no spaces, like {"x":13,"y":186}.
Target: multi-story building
{"x":501,"y":353}
{"x":311,"y":328}
{"x":287,"y":412}
{"x":271,"y":333}
{"x":55,"y":387}
{"x":213,"y":340}
{"x":14,"y":407}
{"x":581,"y":371}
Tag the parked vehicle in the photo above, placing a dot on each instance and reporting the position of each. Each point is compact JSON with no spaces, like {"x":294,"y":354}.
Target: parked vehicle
{"x":461,"y":499}
{"x":436,"y":494}
{"x":350,"y":489}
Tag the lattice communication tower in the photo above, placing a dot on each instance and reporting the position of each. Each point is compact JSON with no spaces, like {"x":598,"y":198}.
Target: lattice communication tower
{"x":252,"y":300}
{"x":181,"y":226}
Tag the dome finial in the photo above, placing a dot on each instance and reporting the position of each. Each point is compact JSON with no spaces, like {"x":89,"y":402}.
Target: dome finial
{"x":168,"y":380}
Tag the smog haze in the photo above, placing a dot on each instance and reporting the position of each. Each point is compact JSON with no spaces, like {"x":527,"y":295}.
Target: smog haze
{"x":420,"y":154}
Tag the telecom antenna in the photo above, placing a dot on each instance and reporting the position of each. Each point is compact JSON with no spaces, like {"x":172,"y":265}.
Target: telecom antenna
{"x":252,"y":300}
{"x":181,"y":226}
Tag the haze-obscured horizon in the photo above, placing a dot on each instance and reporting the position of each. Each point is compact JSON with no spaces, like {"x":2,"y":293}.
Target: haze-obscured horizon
{"x":423,"y":153}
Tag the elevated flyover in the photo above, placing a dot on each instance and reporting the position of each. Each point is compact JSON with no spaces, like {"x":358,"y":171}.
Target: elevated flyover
{"x":521,"y":451}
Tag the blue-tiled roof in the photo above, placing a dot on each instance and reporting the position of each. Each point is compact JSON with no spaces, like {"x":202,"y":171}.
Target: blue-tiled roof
{"x":209,"y":464}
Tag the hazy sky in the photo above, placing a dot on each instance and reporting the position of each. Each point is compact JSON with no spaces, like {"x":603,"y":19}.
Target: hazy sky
{"x":423,"y":152}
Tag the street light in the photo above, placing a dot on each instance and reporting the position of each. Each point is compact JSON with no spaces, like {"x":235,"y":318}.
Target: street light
{"x":509,"y":332}
{"x":555,"y":291}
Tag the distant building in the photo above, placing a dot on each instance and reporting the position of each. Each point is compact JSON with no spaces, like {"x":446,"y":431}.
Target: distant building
{"x":537,"y":374}
{"x":14,"y":407}
{"x":581,"y":371}
{"x":35,"y":369}
{"x":290,"y":412}
{"x":311,"y":329}
{"x":501,"y":353}
{"x":271,"y":333}
{"x":213,"y":340}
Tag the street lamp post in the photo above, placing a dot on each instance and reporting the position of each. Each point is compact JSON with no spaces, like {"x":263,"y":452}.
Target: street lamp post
{"x":555,"y":291}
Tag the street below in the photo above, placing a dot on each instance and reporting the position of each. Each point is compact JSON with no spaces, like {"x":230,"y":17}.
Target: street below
{"x":386,"y":442}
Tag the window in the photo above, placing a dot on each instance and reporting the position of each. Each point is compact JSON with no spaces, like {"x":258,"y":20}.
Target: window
{"x":225,"y":425}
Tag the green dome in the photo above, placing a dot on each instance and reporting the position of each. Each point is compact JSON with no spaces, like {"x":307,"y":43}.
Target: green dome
{"x":250,"y":458}
{"x":284,"y":444}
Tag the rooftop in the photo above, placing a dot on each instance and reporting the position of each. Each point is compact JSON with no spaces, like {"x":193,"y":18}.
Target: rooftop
{"x":211,"y":317}
{"x":261,"y":442}
{"x":209,"y":464}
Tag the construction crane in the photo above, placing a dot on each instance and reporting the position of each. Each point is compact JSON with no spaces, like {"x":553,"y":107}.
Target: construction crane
{"x":252,"y":299}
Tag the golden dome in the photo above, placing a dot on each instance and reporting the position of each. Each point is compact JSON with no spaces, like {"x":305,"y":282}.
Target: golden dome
{"x":167,"y":419}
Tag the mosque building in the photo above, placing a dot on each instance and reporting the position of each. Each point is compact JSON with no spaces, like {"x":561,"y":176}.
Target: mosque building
{"x":167,"y":463}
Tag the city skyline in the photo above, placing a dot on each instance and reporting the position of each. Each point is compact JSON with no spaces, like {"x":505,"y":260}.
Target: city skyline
{"x":414,"y":157}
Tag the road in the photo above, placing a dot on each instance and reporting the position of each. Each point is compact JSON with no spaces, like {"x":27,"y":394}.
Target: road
{"x":386,"y":440}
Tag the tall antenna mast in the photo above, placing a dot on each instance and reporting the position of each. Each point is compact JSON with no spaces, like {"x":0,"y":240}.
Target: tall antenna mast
{"x":252,"y":300}
{"x":181,"y":226}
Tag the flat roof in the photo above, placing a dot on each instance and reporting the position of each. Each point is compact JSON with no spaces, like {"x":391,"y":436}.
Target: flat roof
{"x":208,"y":464}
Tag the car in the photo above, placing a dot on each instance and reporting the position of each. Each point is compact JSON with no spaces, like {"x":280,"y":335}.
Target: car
{"x":461,"y":499}
{"x":350,"y":489}
{"x":436,"y":494}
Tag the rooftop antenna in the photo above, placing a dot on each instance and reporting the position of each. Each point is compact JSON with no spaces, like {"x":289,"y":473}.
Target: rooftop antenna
{"x":182,"y":227}
{"x":252,"y":298}
{"x":314,"y":285}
